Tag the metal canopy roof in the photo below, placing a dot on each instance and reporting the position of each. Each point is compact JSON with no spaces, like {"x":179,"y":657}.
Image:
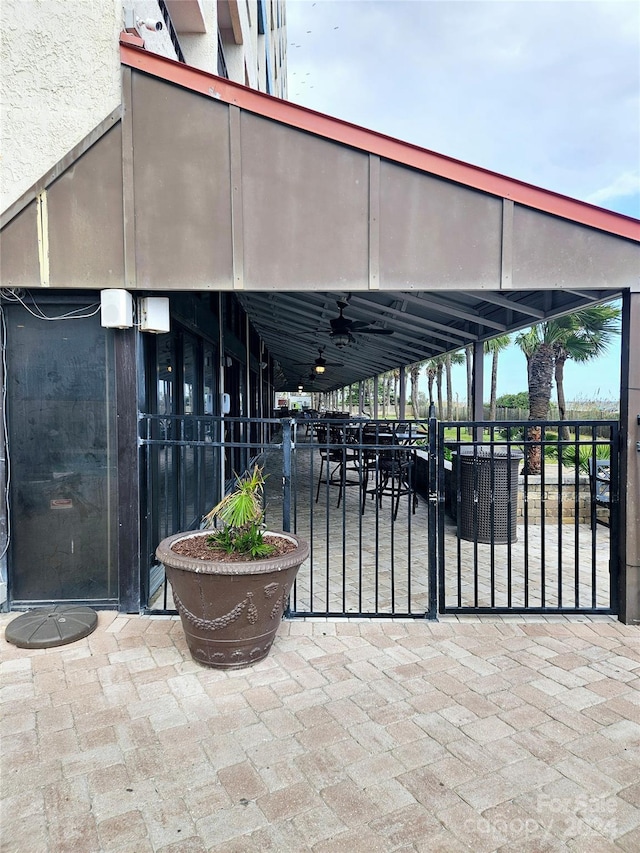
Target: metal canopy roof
{"x":206,"y":185}
{"x":295,"y":326}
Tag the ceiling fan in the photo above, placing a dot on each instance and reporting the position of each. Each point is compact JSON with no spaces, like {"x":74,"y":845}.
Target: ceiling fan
{"x":321,"y":364}
{"x":343,"y":330}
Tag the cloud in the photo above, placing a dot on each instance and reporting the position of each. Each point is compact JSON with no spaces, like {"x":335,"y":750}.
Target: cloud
{"x":626,"y":184}
{"x":547,"y":92}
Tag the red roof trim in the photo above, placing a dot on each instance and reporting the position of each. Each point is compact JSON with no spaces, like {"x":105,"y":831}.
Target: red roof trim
{"x":387,"y":147}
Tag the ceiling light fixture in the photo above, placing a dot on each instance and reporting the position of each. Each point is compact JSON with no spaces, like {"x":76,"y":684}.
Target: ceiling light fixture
{"x":340,"y":340}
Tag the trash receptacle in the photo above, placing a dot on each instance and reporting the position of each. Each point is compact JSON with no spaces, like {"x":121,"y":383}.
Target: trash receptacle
{"x":488,"y":488}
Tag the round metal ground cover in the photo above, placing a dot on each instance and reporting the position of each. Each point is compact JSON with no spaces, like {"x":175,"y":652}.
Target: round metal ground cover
{"x":51,"y":626}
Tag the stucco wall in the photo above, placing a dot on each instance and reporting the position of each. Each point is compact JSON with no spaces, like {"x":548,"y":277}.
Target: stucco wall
{"x":60,"y":78}
{"x":201,"y":49}
{"x":61,"y":73}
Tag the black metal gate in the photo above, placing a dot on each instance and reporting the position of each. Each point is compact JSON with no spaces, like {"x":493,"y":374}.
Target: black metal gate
{"x":356,"y":490}
{"x":404,"y":519}
{"x":514,"y":541}
{"x":360,"y":498}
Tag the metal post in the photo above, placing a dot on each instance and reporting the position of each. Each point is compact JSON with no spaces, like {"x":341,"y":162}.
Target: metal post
{"x":375,"y":397}
{"x":478,"y":387}
{"x":629,"y":507}
{"x":403,"y":393}
{"x":433,"y":532}
{"x":286,"y":474}
{"x":221,"y":391}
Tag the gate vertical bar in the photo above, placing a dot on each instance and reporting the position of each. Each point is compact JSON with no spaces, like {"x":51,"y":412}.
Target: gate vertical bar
{"x":435,"y":512}
{"x":615,"y":438}
{"x":286,"y":475}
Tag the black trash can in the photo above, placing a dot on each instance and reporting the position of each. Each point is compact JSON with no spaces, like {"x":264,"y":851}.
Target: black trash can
{"x":488,"y":477}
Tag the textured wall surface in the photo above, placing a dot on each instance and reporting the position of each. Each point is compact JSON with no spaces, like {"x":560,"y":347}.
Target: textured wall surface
{"x":61,"y":77}
{"x":61,"y":73}
{"x":201,"y":49}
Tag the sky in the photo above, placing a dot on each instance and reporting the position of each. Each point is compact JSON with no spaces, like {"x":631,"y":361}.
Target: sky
{"x":545,"y":91}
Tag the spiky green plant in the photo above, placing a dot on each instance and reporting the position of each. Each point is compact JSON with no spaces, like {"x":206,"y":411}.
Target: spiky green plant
{"x":242,"y":515}
{"x":580,"y":460}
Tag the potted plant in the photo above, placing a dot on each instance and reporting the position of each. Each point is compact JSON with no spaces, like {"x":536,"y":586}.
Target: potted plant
{"x":231,"y":583}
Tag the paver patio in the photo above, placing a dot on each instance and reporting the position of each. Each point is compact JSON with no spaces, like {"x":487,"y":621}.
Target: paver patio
{"x":520,"y":733}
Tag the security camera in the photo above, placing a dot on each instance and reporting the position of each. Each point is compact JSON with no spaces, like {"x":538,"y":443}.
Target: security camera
{"x":149,"y":23}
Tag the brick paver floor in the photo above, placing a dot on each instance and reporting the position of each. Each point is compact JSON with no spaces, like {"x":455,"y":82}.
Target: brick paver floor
{"x":513,"y":734}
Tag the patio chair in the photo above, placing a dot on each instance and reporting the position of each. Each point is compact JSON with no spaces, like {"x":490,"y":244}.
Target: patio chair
{"x":391,"y":468}
{"x":336,"y":457}
{"x":599,"y":480}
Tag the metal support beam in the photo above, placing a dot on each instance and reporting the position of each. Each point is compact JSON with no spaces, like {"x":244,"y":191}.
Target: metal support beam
{"x":403,"y":393}
{"x":629,"y":586}
{"x":128,"y":470}
{"x":477,"y":388}
{"x":375,"y":397}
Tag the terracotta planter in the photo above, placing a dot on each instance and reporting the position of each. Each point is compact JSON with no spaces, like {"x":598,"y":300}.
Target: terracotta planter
{"x":230,"y":612}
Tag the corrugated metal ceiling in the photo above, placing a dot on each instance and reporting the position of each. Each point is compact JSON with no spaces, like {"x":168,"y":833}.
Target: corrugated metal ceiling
{"x":296,"y":325}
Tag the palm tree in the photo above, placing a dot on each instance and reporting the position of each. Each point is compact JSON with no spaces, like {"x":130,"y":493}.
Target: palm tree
{"x":581,"y":335}
{"x":537,"y":345}
{"x":414,"y":373}
{"x":589,"y":333}
{"x":431,"y":370}
{"x":396,"y":379}
{"x":468,"y":352}
{"x":495,"y":346}
{"x":435,"y":368}
{"x":450,"y":359}
{"x":439,"y":371}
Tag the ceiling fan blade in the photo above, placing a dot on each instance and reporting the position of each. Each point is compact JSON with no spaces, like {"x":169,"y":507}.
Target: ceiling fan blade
{"x":364,"y":328}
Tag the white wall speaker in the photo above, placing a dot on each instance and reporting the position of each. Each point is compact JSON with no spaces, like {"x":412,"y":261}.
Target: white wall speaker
{"x":154,"y":314}
{"x":116,"y":309}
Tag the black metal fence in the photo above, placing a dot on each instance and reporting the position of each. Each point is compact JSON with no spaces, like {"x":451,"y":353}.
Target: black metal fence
{"x":519,"y":527}
{"x":360,"y":498}
{"x":403,"y":519}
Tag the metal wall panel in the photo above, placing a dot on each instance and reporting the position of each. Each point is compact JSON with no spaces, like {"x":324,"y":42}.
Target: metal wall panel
{"x":182,"y":188}
{"x":85,"y":218}
{"x":305,"y":210}
{"x":435,"y":234}
{"x":552,"y":252}
{"x":19,"y":265}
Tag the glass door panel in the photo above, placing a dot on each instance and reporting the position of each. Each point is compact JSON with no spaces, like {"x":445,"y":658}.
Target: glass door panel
{"x":61,"y":406}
